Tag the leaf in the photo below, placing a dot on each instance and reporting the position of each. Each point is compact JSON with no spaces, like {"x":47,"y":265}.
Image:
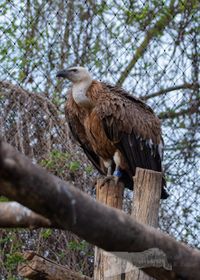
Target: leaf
{"x":74,"y":165}
{"x":47,"y":233}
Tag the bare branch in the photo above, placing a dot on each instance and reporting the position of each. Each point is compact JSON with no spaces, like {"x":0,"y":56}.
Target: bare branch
{"x":106,"y":227}
{"x":169,"y":89}
{"x":38,"y":267}
{"x":193,"y":109}
{"x":153,"y":32}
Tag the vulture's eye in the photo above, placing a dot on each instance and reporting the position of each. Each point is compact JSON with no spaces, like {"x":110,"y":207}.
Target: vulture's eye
{"x":74,"y":70}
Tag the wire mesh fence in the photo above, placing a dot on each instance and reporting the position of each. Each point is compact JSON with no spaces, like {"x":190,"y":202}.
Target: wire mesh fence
{"x":150,"y":48}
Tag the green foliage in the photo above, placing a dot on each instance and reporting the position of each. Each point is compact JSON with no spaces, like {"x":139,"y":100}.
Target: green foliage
{"x":4,"y":199}
{"x":10,"y":251}
{"x":182,"y":125}
{"x":46,"y":233}
{"x":101,"y":8}
{"x":138,"y":16}
{"x":55,"y":157}
{"x":62,"y":164}
{"x":56,"y":99}
{"x":64,"y":161}
{"x":4,"y":240}
{"x":12,"y":260}
{"x":74,"y":166}
{"x":55,"y":154}
{"x":13,"y":278}
{"x":89,"y":169}
{"x":77,"y":245}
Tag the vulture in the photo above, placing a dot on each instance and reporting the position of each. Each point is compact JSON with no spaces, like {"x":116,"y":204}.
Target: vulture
{"x":117,"y":131}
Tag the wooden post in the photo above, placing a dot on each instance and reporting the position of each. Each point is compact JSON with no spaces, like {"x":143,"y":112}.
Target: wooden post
{"x":107,"y":266}
{"x":146,"y":201}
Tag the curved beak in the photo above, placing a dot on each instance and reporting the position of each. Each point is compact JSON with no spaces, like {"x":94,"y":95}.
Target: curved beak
{"x":62,"y":74}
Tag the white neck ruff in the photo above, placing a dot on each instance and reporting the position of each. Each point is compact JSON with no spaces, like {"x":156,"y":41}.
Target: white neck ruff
{"x":79,"y":91}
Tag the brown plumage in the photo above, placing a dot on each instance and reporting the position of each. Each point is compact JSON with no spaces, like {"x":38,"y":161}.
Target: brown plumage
{"x":117,"y":131}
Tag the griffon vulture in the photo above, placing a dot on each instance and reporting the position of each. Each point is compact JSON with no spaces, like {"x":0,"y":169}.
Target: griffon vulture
{"x":117,"y":131}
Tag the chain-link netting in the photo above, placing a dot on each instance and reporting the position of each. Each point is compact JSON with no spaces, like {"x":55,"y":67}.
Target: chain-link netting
{"x":150,"y":48}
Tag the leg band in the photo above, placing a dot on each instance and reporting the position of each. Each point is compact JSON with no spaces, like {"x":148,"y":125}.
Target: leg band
{"x":117,"y":173}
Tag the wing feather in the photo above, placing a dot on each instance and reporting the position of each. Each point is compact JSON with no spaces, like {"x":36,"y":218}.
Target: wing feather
{"x":132,"y":126}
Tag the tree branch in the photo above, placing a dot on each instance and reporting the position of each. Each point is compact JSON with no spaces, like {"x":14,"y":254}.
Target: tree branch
{"x":153,"y":32}
{"x":38,"y":267}
{"x":13,"y":215}
{"x":169,"y":89}
{"x":193,"y":108}
{"x":108,"y":228}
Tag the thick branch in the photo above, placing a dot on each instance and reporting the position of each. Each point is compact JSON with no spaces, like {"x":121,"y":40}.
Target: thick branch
{"x":12,"y":214}
{"x":38,"y":267}
{"x":103,"y":226}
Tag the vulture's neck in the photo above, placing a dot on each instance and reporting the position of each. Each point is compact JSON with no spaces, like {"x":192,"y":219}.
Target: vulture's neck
{"x":79,"y":91}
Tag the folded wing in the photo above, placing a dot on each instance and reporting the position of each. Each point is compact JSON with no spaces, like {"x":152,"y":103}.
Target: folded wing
{"x":133,"y":127}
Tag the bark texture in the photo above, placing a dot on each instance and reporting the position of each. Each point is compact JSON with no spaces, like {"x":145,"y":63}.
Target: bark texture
{"x":146,"y":201}
{"x":13,"y":215}
{"x":107,"y":266}
{"x":147,"y":192}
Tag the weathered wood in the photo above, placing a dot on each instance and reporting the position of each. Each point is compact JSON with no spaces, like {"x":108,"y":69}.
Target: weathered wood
{"x":12,"y":214}
{"x":103,"y":226}
{"x":110,"y":193}
{"x":37,"y":267}
{"x":146,"y":201}
{"x":106,"y":265}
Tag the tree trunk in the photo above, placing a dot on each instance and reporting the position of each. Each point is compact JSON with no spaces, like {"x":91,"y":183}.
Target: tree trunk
{"x":146,"y":201}
{"x":107,"y":266}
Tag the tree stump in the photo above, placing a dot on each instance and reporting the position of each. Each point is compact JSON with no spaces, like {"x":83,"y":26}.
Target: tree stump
{"x":146,"y":201}
{"x":108,"y":266}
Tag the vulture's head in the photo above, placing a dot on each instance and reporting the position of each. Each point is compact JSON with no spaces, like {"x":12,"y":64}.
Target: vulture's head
{"x":75,"y":74}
